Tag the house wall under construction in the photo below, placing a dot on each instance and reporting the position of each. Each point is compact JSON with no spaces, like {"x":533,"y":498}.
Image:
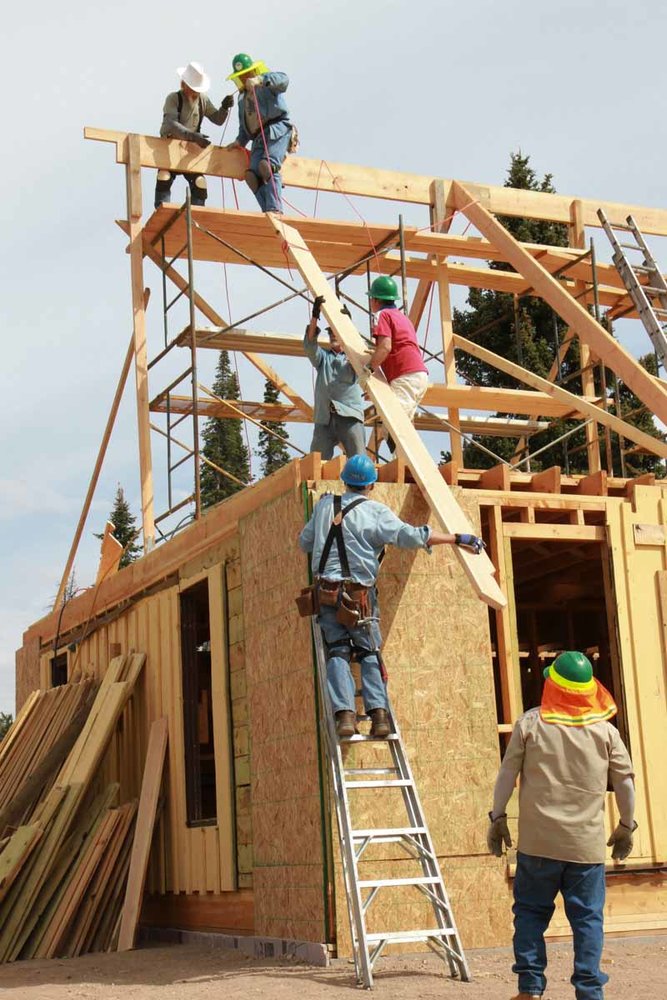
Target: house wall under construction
{"x":246,"y":842}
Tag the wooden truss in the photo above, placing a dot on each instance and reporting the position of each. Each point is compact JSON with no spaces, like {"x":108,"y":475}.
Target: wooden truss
{"x":432,"y":256}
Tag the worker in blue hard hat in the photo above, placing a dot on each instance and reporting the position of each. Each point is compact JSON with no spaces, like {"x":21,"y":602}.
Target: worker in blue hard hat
{"x":345,"y":536}
{"x":264,"y":120}
{"x":338,"y":413}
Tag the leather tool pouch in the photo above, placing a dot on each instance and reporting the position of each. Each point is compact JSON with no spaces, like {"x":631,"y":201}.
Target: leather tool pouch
{"x":354,"y":605}
{"x":307,"y":603}
{"x":328,"y":592}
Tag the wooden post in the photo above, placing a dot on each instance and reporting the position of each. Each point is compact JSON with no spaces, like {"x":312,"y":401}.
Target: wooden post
{"x":441,"y":225}
{"x":134,"y":211}
{"x":577,"y":238}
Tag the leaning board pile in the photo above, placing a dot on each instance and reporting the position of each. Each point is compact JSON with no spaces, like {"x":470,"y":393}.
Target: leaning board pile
{"x":66,"y":845}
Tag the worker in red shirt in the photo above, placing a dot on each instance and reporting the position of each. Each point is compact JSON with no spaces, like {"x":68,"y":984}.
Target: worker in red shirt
{"x":397,"y":351}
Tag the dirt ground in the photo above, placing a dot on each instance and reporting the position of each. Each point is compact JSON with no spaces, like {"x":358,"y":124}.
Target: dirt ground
{"x":638,"y":970}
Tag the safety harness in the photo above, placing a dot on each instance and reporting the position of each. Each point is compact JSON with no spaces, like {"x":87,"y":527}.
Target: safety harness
{"x":336,"y":535}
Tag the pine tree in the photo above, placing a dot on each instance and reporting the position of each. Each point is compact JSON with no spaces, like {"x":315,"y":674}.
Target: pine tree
{"x":6,"y":719}
{"x":528,"y":332}
{"x":125,"y":528}
{"x":223,"y":442}
{"x":271,"y":450}
{"x":635,"y":413}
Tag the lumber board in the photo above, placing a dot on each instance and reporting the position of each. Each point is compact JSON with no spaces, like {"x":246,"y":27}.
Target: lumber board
{"x":478,"y":569}
{"x":643,"y":384}
{"x":578,"y":404}
{"x":649,"y":534}
{"x":344,"y":178}
{"x":148,"y":803}
{"x":110,"y":555}
{"x":556,"y":532}
{"x":15,"y":853}
{"x":55,"y":884}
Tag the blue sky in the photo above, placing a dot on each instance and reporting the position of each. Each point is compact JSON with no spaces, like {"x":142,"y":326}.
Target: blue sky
{"x":437,"y":88}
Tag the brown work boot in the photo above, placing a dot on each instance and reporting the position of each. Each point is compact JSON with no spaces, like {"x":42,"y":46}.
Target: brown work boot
{"x":381,"y":726}
{"x":346,"y":724}
{"x":528,"y":996}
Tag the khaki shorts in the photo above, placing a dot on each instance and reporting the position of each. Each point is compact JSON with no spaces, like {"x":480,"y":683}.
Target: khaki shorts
{"x":409,"y":391}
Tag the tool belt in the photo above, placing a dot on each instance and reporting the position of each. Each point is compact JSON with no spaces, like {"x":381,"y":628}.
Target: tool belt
{"x":350,"y":599}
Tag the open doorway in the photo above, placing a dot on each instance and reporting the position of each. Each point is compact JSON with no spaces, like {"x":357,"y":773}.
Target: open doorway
{"x":563,"y":600}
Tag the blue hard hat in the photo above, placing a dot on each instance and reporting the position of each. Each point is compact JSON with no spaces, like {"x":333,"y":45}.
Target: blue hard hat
{"x":359,"y":471}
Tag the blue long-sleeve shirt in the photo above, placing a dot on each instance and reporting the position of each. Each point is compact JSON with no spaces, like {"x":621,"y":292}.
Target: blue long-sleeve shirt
{"x":336,"y":384}
{"x":366,"y":531}
{"x":271,"y":104}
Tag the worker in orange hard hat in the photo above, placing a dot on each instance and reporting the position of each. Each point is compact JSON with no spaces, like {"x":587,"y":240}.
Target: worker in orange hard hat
{"x":264,"y":120}
{"x":566,"y":752}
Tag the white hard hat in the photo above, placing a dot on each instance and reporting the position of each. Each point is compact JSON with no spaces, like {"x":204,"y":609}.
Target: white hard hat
{"x":194,"y":76}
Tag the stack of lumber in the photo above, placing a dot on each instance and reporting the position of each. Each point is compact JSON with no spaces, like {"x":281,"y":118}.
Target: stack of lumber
{"x":64,"y":863}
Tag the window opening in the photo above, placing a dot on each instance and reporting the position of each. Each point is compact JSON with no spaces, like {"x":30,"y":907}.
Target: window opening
{"x":200,"y":794}
{"x":59,"y":669}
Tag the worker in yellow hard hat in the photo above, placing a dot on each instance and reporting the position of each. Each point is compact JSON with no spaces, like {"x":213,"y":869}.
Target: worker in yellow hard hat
{"x":264,"y":120}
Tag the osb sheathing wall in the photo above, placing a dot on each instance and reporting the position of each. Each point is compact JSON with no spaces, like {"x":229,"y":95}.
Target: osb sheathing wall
{"x":438,"y":655}
{"x":284,"y":777}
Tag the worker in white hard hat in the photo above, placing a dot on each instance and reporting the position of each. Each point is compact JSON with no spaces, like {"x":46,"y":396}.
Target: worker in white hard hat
{"x":182,"y":117}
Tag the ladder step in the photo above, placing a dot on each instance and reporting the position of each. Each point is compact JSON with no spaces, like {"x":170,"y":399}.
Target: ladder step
{"x":400,"y":782}
{"x":383,"y":883}
{"x":630,"y":246}
{"x":404,"y":831}
{"x":405,"y":936}
{"x":654,"y":289}
{"x":371,"y":770}
{"x":360,"y":738}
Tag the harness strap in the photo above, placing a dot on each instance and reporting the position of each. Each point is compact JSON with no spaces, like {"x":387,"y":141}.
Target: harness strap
{"x":336,"y":534}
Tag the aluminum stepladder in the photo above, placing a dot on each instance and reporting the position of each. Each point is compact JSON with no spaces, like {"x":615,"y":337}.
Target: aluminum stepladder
{"x":649,"y":298}
{"x":414,"y":838}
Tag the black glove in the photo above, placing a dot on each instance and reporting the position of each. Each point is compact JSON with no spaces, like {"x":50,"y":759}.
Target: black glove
{"x":471,"y":542}
{"x":201,"y":139}
{"x":345,"y":311}
{"x":498,"y":834}
{"x":317,"y":306}
{"x":227,"y":103}
{"x":621,"y":841}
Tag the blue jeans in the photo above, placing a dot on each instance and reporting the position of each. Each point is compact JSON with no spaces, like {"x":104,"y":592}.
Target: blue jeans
{"x":269,"y":195}
{"x":536,"y":885}
{"x":340,"y":643}
{"x":346,"y":431}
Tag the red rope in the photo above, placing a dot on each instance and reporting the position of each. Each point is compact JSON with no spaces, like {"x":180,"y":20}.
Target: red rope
{"x":317,"y":188}
{"x":336,"y":185}
{"x":428,"y":318}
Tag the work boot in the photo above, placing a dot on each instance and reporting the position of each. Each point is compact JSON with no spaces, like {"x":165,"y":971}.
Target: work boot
{"x":346,"y":724}
{"x":528,"y":996}
{"x":381,"y":726}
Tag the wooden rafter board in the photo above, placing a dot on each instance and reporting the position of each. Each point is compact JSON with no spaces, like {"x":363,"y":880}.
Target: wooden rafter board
{"x":479,"y":569}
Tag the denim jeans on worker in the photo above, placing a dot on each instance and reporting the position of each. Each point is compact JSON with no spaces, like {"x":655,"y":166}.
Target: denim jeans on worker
{"x":340,"y":642}
{"x":536,"y":885}
{"x":346,"y":431}
{"x":269,"y":195}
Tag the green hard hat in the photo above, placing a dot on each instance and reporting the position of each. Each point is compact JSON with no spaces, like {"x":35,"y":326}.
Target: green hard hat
{"x":241,"y":62}
{"x":384,"y":288}
{"x":570,"y":669}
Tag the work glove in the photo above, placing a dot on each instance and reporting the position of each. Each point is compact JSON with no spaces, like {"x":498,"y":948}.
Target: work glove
{"x":498,"y":834}
{"x":364,"y":376}
{"x":227,"y":103}
{"x":317,"y":306}
{"x":471,"y":542}
{"x":345,"y":311}
{"x":201,"y":139}
{"x":621,"y":841}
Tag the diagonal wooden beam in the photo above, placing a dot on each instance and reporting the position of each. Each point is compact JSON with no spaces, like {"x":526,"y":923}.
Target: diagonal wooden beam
{"x":648,"y":389}
{"x":479,"y":569}
{"x":214,"y":317}
{"x":577,"y":403}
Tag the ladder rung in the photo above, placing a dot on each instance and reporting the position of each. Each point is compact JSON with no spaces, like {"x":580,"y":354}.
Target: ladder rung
{"x":383,"y":883}
{"x":405,"y":831}
{"x":360,"y":738}
{"x":654,"y":289}
{"x":371,"y":770}
{"x":398,"y":936}
{"x":401,"y":782}
{"x":630,"y":246}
